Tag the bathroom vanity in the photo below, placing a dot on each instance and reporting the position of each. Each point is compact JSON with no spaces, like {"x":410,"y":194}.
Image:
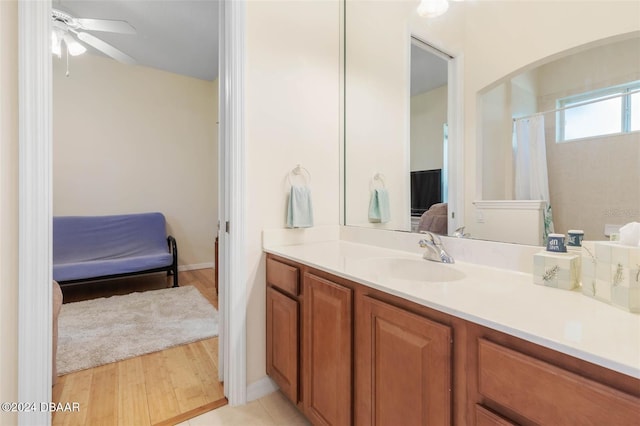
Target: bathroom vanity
{"x":364,"y":335}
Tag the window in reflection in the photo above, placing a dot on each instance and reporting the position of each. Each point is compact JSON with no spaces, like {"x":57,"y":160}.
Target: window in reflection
{"x":635,"y":112}
{"x":602,"y":112}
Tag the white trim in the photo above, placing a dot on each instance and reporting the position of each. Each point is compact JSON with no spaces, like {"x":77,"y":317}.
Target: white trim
{"x":341,"y":112}
{"x":194,"y":266}
{"x":34,"y":273}
{"x":261,"y":388}
{"x":222,"y":264}
{"x":417,"y":40}
{"x":455,"y":114}
{"x":235,"y":285}
{"x":510,"y":204}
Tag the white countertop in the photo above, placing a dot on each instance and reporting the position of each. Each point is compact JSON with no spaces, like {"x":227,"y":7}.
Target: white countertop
{"x":504,"y":300}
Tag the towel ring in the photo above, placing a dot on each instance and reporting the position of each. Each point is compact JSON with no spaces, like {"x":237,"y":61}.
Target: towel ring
{"x":377,"y":178}
{"x":299,"y":171}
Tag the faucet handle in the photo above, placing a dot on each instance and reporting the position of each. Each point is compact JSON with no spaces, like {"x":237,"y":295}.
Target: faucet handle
{"x":433,"y":239}
{"x":460,"y":233}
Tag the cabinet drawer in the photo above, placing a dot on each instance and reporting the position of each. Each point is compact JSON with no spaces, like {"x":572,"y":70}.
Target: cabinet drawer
{"x":549,"y":395}
{"x":283,"y":276}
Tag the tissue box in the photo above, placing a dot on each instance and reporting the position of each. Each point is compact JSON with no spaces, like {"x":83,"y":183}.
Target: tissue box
{"x":559,"y":270}
{"x":611,"y":273}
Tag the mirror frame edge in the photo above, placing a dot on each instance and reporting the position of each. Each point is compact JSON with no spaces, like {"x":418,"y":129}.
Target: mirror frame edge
{"x":455,"y":155}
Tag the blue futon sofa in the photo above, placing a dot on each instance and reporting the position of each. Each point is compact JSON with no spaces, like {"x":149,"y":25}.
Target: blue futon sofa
{"x":89,"y":248}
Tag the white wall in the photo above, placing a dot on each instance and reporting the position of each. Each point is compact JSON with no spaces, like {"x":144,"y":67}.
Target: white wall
{"x":497,"y":106}
{"x":9,"y":209}
{"x":496,"y":160}
{"x":132,"y":139}
{"x":292,"y":117}
{"x":428,"y":116}
{"x":603,"y":65}
{"x":377,"y":109}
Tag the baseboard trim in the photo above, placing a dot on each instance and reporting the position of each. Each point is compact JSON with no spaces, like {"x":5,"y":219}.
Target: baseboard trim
{"x":260,"y":388}
{"x":194,"y":266}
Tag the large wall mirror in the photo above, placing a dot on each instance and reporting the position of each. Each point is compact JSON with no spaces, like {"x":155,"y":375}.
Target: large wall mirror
{"x":396,"y":120}
{"x":512,"y":61}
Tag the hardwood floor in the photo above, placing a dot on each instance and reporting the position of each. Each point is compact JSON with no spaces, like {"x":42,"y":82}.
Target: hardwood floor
{"x":164,"y":387}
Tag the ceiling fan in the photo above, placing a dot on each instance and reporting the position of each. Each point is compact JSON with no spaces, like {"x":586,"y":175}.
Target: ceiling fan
{"x":65,"y":27}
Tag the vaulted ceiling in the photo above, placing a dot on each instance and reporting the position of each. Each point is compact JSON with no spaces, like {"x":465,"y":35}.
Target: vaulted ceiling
{"x":179,"y":36}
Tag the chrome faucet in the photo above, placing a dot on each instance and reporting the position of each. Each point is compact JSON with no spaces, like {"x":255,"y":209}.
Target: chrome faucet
{"x":435,"y":250}
{"x":459,"y":233}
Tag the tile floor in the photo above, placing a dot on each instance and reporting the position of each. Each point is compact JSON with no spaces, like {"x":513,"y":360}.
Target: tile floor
{"x":273,"y":409}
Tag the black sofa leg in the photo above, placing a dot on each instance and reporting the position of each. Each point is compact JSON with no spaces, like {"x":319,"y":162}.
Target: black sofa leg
{"x":173,"y":248}
{"x":175,"y":277}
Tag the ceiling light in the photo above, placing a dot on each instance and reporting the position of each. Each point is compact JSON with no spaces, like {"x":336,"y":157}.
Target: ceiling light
{"x":432,"y":8}
{"x":73,"y":47}
{"x":58,"y":36}
{"x":56,"y":43}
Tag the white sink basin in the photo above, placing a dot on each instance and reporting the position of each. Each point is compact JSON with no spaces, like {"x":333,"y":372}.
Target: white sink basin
{"x":407,"y":269}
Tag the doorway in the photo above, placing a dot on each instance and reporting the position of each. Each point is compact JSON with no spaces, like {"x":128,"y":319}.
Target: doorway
{"x":34,"y":349}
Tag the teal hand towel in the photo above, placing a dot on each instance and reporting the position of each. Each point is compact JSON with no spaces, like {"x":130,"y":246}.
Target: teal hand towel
{"x":379,"y":206}
{"x":300,"y":210}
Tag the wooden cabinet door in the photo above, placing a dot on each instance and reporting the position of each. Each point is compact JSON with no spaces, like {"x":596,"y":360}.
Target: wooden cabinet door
{"x":282,"y":342}
{"x":328,"y":331}
{"x":403,"y":367}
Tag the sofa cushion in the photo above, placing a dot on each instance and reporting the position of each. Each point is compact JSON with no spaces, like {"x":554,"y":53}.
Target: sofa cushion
{"x":95,"y":246}
{"x":101,"y":268}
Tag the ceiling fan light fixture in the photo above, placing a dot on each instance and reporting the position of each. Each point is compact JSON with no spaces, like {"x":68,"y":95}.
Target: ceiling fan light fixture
{"x":432,"y":8}
{"x":56,"y":43}
{"x":73,"y":47}
{"x":66,"y":28}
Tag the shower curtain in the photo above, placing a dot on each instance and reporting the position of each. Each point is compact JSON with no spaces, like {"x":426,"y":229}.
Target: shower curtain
{"x":531,"y":177}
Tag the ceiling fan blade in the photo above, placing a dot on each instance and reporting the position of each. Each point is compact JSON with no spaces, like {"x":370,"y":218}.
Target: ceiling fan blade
{"x":106,"y":48}
{"x":105,"y":25}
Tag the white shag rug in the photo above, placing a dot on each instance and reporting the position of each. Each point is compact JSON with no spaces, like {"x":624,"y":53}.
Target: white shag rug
{"x":100,"y":331}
